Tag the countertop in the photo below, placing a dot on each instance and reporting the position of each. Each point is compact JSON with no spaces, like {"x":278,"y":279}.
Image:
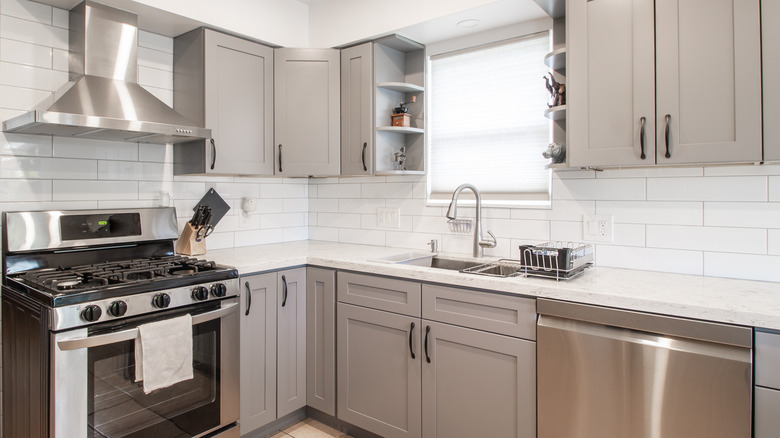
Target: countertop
{"x":743,"y":302}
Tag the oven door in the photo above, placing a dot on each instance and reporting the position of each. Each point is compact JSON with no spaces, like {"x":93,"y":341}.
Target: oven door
{"x":93,"y":393}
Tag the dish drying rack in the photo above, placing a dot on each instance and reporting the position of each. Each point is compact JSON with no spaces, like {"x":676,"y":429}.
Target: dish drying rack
{"x":555,"y":260}
{"x":558,"y":260}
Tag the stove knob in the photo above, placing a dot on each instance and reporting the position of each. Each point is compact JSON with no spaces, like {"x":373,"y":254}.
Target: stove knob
{"x":219,"y":290}
{"x":91,"y":313}
{"x":161,"y":301}
{"x":117,"y":308}
{"x":200,"y":293}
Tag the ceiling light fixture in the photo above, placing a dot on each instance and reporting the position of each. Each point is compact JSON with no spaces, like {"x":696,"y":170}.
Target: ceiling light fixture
{"x":468,"y":23}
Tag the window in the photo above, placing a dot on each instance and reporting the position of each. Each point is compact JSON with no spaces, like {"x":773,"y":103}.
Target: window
{"x":487,"y":124}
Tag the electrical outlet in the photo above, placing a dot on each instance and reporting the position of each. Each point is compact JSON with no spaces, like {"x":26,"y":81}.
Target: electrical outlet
{"x":597,"y":227}
{"x":388,"y":217}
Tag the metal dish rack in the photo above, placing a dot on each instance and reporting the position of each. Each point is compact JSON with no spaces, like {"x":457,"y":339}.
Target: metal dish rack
{"x":555,"y":260}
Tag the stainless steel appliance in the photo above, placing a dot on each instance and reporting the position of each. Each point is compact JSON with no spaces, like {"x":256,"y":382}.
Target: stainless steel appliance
{"x":76,"y":287}
{"x":605,"y":373}
{"x":103,"y":99}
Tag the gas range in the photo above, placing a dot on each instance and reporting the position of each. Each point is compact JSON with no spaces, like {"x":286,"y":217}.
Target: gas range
{"x":98,"y":266}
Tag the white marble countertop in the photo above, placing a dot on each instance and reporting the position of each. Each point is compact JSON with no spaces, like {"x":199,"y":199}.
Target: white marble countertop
{"x":750,"y":303}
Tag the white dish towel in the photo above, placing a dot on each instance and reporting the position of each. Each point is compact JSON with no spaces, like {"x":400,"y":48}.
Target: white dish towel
{"x":163,"y":353}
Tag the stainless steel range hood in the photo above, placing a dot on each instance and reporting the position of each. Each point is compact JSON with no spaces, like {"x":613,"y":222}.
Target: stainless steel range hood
{"x":103,"y":99}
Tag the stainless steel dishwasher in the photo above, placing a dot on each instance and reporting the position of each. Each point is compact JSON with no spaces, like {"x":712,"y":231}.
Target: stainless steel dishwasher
{"x":605,"y":373}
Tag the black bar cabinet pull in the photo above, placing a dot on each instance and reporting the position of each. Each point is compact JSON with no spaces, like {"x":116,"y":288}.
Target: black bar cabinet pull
{"x":284,"y":290}
{"x":213,"y":154}
{"x":666,"y":134}
{"x":427,"y":330}
{"x":411,"y":332}
{"x":363,"y":157}
{"x":642,"y":138}
{"x":248,"y":298}
{"x":280,"y":158}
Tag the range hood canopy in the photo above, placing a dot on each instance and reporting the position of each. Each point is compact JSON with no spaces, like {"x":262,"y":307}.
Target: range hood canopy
{"x":103,"y":99}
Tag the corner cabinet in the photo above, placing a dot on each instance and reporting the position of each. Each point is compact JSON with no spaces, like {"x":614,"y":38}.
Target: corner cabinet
{"x":306,"y":112}
{"x":226,"y":84}
{"x":273,"y":346}
{"x":684,"y":88}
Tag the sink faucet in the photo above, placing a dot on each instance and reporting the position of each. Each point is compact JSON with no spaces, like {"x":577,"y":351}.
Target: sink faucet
{"x":452,"y":212}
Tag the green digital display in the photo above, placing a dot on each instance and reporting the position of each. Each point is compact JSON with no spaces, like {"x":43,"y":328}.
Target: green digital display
{"x":102,"y":223}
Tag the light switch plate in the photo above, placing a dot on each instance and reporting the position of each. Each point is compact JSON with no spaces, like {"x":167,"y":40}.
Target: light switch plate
{"x":388,"y":217}
{"x":597,"y":227}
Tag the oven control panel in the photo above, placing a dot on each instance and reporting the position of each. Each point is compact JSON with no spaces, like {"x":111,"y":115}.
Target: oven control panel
{"x":114,"y":308}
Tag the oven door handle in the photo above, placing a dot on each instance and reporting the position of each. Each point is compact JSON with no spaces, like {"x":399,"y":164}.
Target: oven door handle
{"x":128,"y":335}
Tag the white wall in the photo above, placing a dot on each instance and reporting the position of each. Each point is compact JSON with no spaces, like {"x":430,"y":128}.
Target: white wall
{"x":41,"y":172}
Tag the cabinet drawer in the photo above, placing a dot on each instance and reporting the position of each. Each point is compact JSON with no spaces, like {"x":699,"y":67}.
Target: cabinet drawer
{"x":767,"y":359}
{"x":767,"y":413}
{"x":507,"y":315}
{"x":399,"y":296}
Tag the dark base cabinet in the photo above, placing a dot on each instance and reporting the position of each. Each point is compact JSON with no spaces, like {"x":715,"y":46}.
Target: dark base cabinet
{"x":25,"y":375}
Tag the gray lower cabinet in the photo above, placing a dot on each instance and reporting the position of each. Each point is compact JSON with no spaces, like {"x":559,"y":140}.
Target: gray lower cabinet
{"x":306,"y":112}
{"x":766,"y":421}
{"x":357,"y":105}
{"x":321,"y":339}
{"x":291,"y":341}
{"x":226,"y":84}
{"x":273,"y":346}
{"x":476,"y":383}
{"x":379,"y":371}
{"x":258,"y":351}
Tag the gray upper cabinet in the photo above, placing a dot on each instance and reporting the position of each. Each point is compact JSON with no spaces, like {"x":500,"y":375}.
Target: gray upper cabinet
{"x":306,"y":112}
{"x":477,"y":384}
{"x":683,"y":89}
{"x":226,"y":84}
{"x":357,"y":110}
{"x":291,"y":341}
{"x":770,"y":45}
{"x":321,"y":339}
{"x":258,"y":351}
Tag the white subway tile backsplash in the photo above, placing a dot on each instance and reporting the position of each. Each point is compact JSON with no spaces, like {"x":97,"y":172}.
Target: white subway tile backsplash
{"x":220,"y":241}
{"x":37,"y":78}
{"x":282,"y":220}
{"x":19,"y":52}
{"x":60,"y":17}
{"x":650,"y":259}
{"x":430,"y":224}
{"x":21,"y":98}
{"x":361,"y":206}
{"x":628,"y":234}
{"x":27,"y":10}
{"x":156,"y":153}
{"x":31,"y":204}
{"x":617,"y":189}
{"x":74,"y":190}
{"x":31,"y":32}
{"x":742,"y":214}
{"x":132,"y":170}
{"x":774,"y":189}
{"x":26,"y":190}
{"x":565,"y":231}
{"x":270,"y":206}
{"x":298,"y":205}
{"x":717,"y":239}
{"x":128,"y":203}
{"x":653,"y":212}
{"x":370,"y":222}
{"x":154,"y":41}
{"x":74,"y":147}
{"x":338,"y":220}
{"x":155,"y":77}
{"x":414,"y":206}
{"x":417,"y":241}
{"x":46,"y":168}
{"x":59,"y":59}
{"x":155,"y":59}
{"x":726,"y":188}
{"x":387,"y":190}
{"x":364,"y":237}
{"x":296,"y":190}
{"x":324,"y":205}
{"x":743,"y":170}
{"x":237,"y":190}
{"x":20,"y":145}
{"x":518,"y":229}
{"x":774,"y":242}
{"x":650,"y":172}
{"x":324,"y":234}
{"x":338,"y":191}
{"x":292,"y":234}
{"x":745,"y":266}
{"x":258,"y":237}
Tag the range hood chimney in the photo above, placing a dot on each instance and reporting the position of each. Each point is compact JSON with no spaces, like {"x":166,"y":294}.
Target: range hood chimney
{"x":103,"y":99}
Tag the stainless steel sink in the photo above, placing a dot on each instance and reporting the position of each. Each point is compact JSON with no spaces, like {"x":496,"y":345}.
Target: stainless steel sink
{"x":452,"y":264}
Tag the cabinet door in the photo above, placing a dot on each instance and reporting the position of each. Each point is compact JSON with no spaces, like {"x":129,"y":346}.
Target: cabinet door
{"x":610,"y":91}
{"x":238,"y":105}
{"x":477,"y":384}
{"x":708,"y":81}
{"x":321,"y":339}
{"x":770,"y":46}
{"x":767,"y":412}
{"x":357,"y":103}
{"x":379,"y":372}
{"x":306,"y":112}
{"x":258,"y":351}
{"x":291,"y":338}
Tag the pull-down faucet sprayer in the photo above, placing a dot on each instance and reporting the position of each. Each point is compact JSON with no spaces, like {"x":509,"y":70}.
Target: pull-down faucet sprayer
{"x":452,"y":212}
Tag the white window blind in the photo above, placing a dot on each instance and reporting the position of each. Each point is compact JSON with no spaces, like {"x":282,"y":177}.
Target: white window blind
{"x":487,"y":124}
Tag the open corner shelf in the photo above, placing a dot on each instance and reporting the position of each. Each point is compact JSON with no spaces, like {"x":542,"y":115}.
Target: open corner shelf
{"x":556,"y":60}
{"x":556,"y":112}
{"x":400,"y":129}
{"x":401,"y":87}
